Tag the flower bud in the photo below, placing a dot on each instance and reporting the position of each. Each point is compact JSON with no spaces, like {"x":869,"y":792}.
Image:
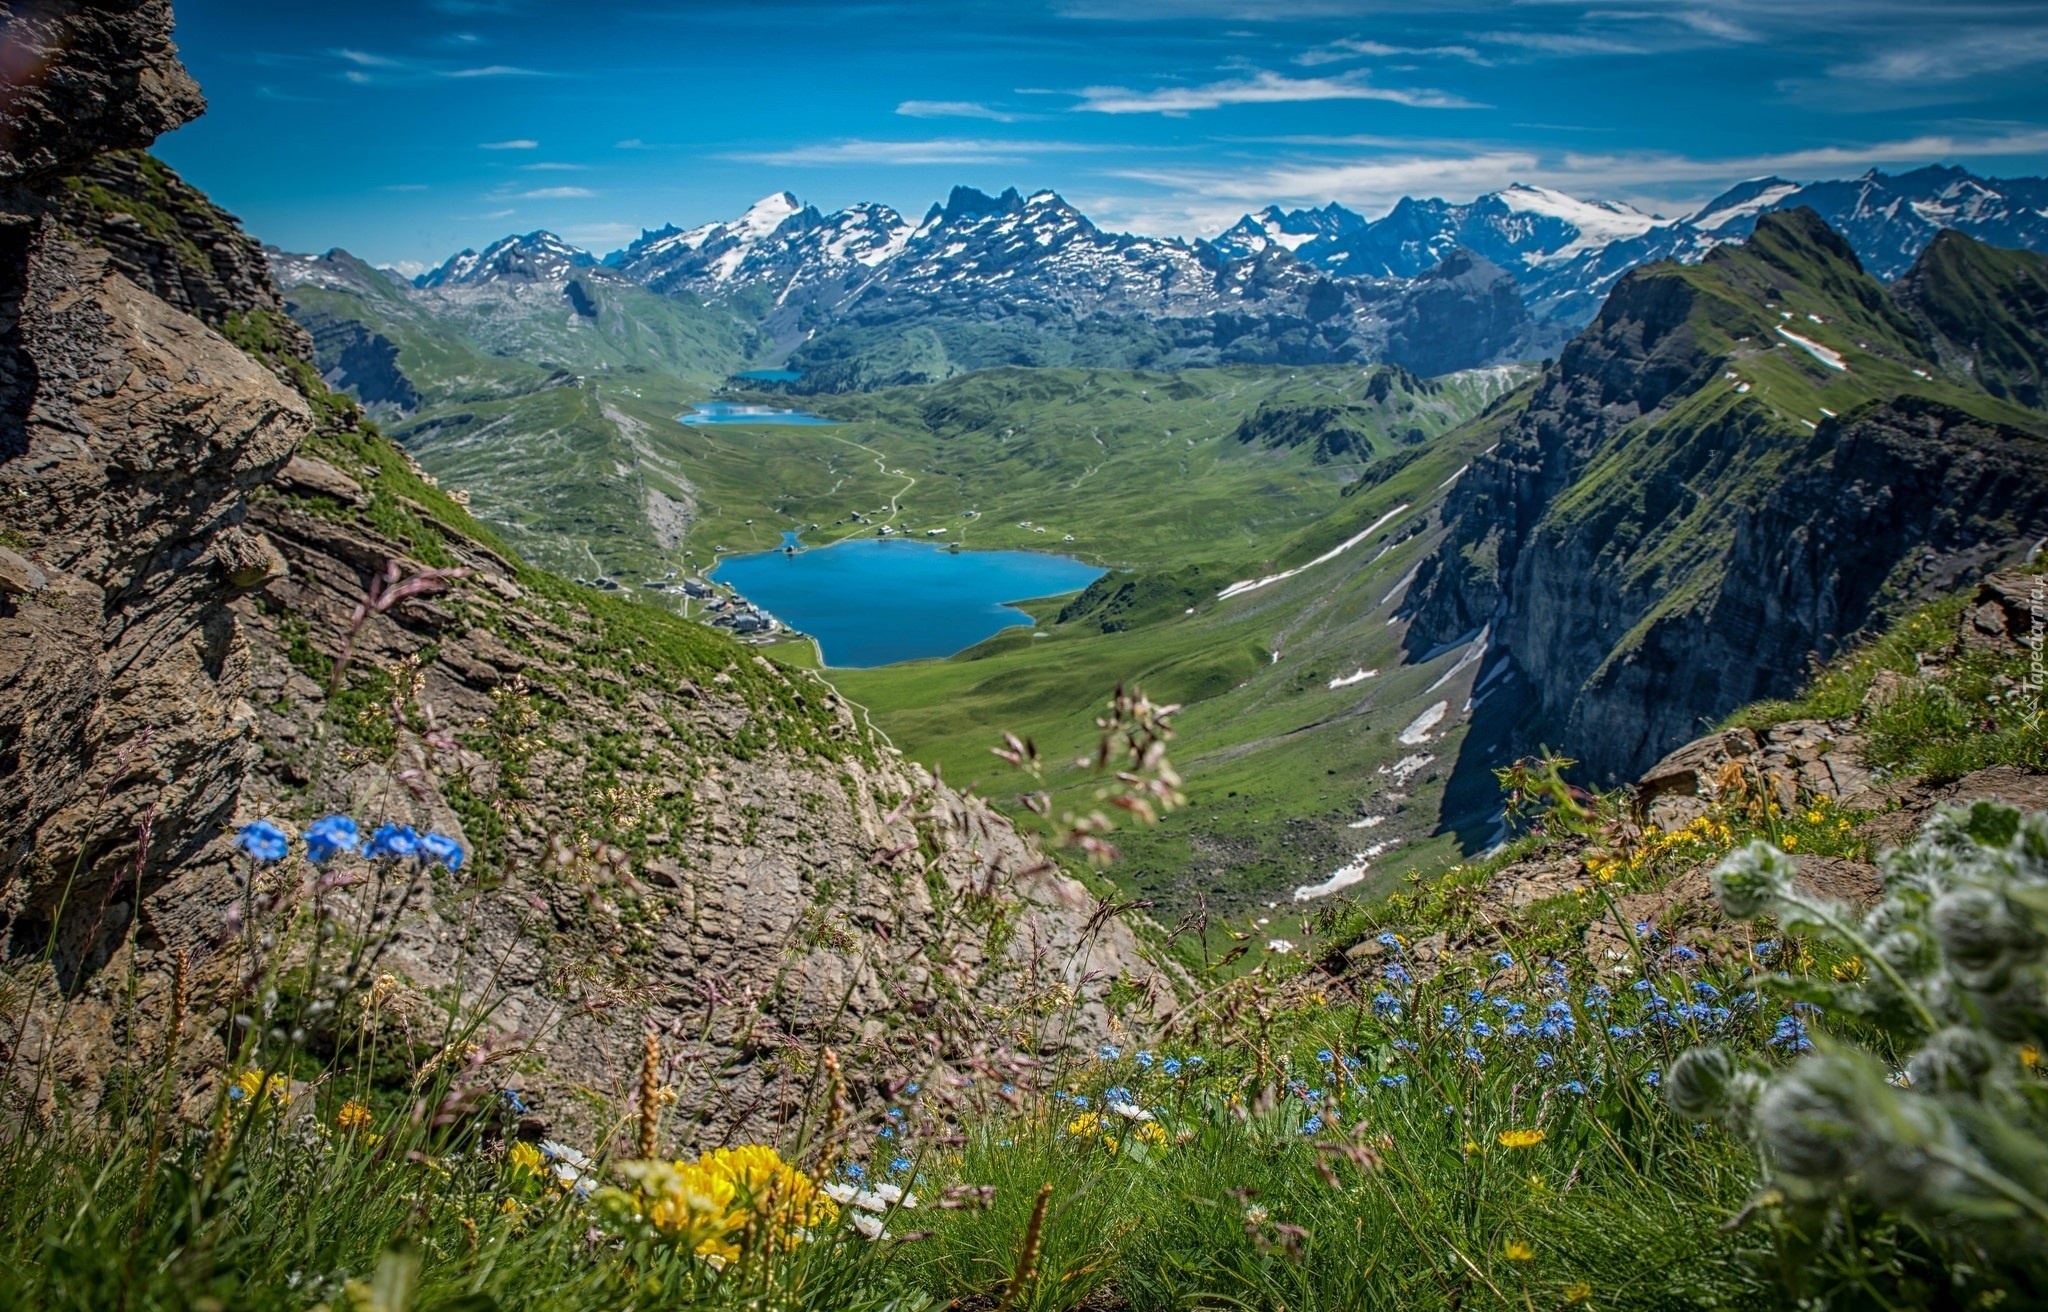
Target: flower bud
{"x":1954,"y":1061}
{"x":1752,"y":879}
{"x":1698,"y":1085}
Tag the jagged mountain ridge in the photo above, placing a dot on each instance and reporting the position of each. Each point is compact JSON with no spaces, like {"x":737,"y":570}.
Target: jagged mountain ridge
{"x":1567,"y":253}
{"x":1741,"y":463}
{"x":863,"y":298}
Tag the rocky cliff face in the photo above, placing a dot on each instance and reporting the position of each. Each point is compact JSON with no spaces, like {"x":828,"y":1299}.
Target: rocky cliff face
{"x":197,"y":628}
{"x":131,"y":434}
{"x":1661,"y":536}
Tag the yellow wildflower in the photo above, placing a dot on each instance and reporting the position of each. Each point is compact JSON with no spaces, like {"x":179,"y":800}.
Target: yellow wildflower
{"x":2030,"y":1056}
{"x":1521,"y":1138}
{"x":1472,"y":1146}
{"x":726,"y":1198}
{"x":1845,"y":971}
{"x":1578,"y":1291}
{"x":352,"y":1117}
{"x":1150,"y":1132}
{"x":1791,"y":842}
{"x":1084,"y":1125}
{"x":1517,"y":1250}
{"x":252,"y":1082}
{"x":523,"y":1156}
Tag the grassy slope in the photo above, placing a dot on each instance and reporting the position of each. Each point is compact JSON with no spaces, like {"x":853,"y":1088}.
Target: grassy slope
{"x":1278,"y":763}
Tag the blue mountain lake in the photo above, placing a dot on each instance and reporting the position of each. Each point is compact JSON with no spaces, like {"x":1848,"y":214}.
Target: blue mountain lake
{"x":872,"y":601}
{"x":731,"y":412}
{"x":769,"y":375}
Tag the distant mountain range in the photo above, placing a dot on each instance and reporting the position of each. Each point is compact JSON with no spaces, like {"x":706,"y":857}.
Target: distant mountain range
{"x":1566,"y":253}
{"x":1563,"y":252}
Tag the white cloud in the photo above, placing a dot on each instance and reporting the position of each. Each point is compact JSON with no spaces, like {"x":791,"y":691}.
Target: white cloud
{"x":556,"y":193}
{"x":1262,"y":88}
{"x":595,"y":235}
{"x":553,"y":166}
{"x":943,"y":150}
{"x":406,"y":268}
{"x":1971,"y":54}
{"x":956,"y":109}
{"x":1353,"y":48}
{"x":494,"y":70}
{"x":517,"y":143}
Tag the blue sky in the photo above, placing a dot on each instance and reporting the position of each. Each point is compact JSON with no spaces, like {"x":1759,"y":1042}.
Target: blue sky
{"x":407,"y":129}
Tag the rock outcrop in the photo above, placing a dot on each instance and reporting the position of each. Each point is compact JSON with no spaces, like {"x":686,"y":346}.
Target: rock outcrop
{"x":131,"y":433}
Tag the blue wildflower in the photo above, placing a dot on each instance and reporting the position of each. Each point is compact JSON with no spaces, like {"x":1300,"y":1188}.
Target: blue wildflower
{"x":1451,"y":1014}
{"x":1404,"y":1045}
{"x":1118,"y":1094}
{"x":1790,"y":1035}
{"x":1108,"y":1052}
{"x":1765,"y":949}
{"x":1144,"y":1060}
{"x":512,"y":1101}
{"x":1393,"y":1081}
{"x":329,"y":837}
{"x":1324,"y":1056}
{"x":1476,"y":1057}
{"x":1081,"y":1102}
{"x":1652,"y":1079}
{"x":1198,"y":1060}
{"x":1352,"y":1063}
{"x":1395,"y":973}
{"x":910,"y":1090}
{"x":1516,"y":1030}
{"x":263,"y":841}
{"x":1389,"y":940}
{"x":887,"y":1132}
{"x":1386,"y":1004}
{"x":1475,"y":996}
{"x":1572,"y":1086}
{"x":1641,"y":986}
{"x":1061,"y":1095}
{"x":389,"y":842}
{"x":1702,"y":989}
{"x":1312,"y":1125}
{"x":1544,"y":1061}
{"x":440,"y":847}
{"x":1504,"y":960}
{"x":1481,"y":1030}
{"x":854,"y":1171}
{"x":1597,"y":999}
{"x":1623,"y":1032}
{"x":1681,"y":952}
{"x":1171,"y":1066}
{"x":899,"y":1165}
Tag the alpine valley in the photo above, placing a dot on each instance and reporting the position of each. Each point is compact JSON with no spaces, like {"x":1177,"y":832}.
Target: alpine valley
{"x":1387,"y":503}
{"x":1531,"y":792}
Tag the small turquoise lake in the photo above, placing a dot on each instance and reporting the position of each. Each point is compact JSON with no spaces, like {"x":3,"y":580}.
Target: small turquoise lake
{"x":875,"y":601}
{"x":769,"y":375}
{"x":731,"y":412}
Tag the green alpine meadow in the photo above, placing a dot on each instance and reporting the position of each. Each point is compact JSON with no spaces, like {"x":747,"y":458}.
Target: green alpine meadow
{"x":1037,"y":658}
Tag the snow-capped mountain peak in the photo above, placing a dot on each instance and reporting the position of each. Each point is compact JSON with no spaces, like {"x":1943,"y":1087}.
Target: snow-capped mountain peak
{"x":535,"y":257}
{"x":1745,"y":200}
{"x":1598,"y":221}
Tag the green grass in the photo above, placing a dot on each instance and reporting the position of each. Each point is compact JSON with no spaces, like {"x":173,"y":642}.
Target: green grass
{"x":1943,"y":712}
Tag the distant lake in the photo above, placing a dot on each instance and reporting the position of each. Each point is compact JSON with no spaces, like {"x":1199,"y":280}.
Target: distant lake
{"x":875,"y":601}
{"x":729,"y":412}
{"x":769,"y":375}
